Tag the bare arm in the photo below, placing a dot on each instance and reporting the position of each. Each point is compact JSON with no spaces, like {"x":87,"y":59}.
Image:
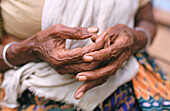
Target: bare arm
{"x":17,"y":54}
{"x":145,"y":19}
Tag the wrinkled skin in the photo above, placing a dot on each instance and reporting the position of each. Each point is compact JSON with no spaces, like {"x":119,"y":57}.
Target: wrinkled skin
{"x":56,"y":54}
{"x":49,"y":45}
{"x":122,"y":46}
{"x":93,"y":64}
{"x":102,"y":58}
{"x":121,"y":38}
{"x":79,"y":66}
{"x":124,"y":41}
{"x":101,"y":64}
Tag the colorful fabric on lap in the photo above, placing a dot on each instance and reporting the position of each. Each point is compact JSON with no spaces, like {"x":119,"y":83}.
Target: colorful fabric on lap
{"x":122,"y":99}
{"x":151,"y":88}
{"x":142,"y":93}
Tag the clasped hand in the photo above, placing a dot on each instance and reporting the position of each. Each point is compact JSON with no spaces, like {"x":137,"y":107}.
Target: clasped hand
{"x":92,"y":64}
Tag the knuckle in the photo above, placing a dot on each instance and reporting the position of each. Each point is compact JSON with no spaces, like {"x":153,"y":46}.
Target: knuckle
{"x":90,"y":66}
{"x":58,"y":25}
{"x":76,"y":30}
{"x":79,"y":31}
{"x":55,"y":63}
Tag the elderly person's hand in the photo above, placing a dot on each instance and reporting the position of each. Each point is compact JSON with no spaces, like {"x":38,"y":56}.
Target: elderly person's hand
{"x":49,"y":44}
{"x":80,"y":66}
{"x":124,"y":42}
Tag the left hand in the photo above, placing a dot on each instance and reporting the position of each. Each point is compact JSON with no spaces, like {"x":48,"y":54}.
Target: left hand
{"x":81,"y":66}
{"x":123,"y":45}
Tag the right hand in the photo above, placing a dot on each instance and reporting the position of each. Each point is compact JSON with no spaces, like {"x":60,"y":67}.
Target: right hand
{"x":49,"y":45}
{"x":81,"y":66}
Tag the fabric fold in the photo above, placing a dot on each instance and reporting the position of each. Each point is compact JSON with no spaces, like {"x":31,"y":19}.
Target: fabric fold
{"x":44,"y":81}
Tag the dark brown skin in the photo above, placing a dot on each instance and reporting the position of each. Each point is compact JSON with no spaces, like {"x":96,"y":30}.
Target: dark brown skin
{"x":80,"y":66}
{"x":124,"y":42}
{"x":144,"y":18}
{"x":114,"y":46}
{"x":49,"y":45}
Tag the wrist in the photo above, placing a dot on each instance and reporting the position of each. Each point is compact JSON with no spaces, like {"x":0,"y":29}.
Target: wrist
{"x":21,"y":53}
{"x":141,"y":40}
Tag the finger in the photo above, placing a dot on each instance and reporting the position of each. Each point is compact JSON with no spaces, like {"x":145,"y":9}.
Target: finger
{"x":105,"y":71}
{"x":87,"y":86}
{"x":107,"y":39}
{"x":108,"y":42}
{"x":76,"y":54}
{"x":94,"y":37}
{"x":91,"y":30}
{"x":60,"y":44}
{"x":83,"y":33}
{"x":109,"y":52}
{"x":78,"y":33}
{"x":76,"y":68}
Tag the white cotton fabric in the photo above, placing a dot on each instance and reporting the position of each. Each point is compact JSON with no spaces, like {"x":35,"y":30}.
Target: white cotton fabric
{"x":44,"y":81}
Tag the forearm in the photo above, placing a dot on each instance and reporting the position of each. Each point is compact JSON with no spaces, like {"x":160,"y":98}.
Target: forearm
{"x":17,"y":54}
{"x":145,"y":19}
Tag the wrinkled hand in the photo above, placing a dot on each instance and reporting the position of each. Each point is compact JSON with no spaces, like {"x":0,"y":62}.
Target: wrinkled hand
{"x":122,"y":46}
{"x":49,"y":44}
{"x":81,"y":66}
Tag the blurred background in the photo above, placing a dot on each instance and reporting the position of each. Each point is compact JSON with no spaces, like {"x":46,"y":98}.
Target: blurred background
{"x":160,"y":49}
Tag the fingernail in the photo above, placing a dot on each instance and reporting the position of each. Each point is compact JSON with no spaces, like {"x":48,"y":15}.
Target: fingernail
{"x":93,"y":30}
{"x":81,"y":78}
{"x":88,"y":58}
{"x":80,"y":95}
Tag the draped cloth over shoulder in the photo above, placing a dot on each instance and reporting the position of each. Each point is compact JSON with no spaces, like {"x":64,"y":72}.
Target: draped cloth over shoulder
{"x":44,"y":81}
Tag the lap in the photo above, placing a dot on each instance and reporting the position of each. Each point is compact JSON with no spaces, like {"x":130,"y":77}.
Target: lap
{"x":148,"y":90}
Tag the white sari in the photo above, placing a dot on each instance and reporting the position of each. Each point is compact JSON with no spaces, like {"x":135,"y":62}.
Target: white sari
{"x":44,"y":81}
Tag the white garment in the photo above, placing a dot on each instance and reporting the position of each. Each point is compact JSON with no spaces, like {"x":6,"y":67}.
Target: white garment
{"x":44,"y":81}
